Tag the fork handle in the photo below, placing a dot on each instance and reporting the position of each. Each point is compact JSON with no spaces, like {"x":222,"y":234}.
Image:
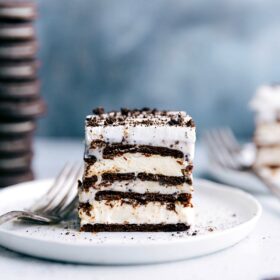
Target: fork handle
{"x":22,"y":215}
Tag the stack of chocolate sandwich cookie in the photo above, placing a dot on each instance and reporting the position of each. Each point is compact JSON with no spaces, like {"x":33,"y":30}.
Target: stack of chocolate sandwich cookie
{"x":20,"y":101}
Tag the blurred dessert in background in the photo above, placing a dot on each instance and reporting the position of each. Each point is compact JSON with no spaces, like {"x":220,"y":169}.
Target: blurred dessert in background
{"x":20,"y":101}
{"x":266,"y":105}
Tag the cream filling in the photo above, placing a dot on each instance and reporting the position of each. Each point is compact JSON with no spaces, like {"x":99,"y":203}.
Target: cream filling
{"x":18,"y":32}
{"x":268,"y":134}
{"x":21,"y":70}
{"x":133,"y":186}
{"x":117,"y":212}
{"x":137,"y":162}
{"x":14,"y":11}
{"x":268,"y":156}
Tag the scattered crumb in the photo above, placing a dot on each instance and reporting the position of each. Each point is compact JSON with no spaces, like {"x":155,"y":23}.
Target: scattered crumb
{"x":194,"y":233}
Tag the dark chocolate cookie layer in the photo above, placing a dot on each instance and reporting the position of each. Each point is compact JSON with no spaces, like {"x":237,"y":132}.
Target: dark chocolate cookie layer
{"x":143,"y":198}
{"x":135,"y":227}
{"x":162,"y":179}
{"x":110,"y":151}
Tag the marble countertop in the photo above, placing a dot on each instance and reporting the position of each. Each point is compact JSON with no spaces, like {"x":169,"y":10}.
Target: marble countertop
{"x":256,"y":257}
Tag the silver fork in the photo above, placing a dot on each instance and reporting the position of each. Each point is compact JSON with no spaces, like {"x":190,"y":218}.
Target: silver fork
{"x":225,"y":150}
{"x":54,"y":206}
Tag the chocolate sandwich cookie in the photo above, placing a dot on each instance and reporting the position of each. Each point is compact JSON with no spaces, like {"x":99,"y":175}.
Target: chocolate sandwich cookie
{"x":12,"y":178}
{"x":17,"y":10}
{"x":17,"y":32}
{"x":19,"y":89}
{"x":16,"y":128}
{"x":15,"y":146}
{"x":18,"y":50}
{"x":17,"y":162}
{"x":22,"y":109}
{"x":18,"y":70}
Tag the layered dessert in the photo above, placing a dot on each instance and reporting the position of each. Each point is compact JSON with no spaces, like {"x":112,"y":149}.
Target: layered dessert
{"x":266,"y":104}
{"x":138,"y":171}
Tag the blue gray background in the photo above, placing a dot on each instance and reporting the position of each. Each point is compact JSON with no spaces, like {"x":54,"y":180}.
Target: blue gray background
{"x":205,"y":57}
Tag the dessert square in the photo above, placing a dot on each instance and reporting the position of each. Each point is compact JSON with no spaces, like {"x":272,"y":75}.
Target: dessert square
{"x":266,"y":104}
{"x":138,"y":171}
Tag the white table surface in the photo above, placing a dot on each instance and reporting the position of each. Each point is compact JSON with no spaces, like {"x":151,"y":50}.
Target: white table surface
{"x":256,"y":257}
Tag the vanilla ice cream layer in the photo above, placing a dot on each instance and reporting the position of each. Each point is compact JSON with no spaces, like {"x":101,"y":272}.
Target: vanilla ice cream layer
{"x":178,"y":137}
{"x":268,"y":156}
{"x":117,"y":212}
{"x":128,"y":162}
{"x":267,"y":133}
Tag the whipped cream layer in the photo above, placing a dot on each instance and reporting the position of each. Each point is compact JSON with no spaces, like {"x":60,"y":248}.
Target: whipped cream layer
{"x":117,"y":212}
{"x":267,"y":134}
{"x":269,"y":156}
{"x":137,"y":163}
{"x":266,"y":103}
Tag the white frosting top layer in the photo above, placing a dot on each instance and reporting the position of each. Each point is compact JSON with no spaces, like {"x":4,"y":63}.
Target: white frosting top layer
{"x":140,"y":117}
{"x":151,"y":213}
{"x":266,"y":103}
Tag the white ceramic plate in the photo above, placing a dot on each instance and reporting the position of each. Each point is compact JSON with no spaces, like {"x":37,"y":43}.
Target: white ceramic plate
{"x":224,"y":216}
{"x":240,"y":179}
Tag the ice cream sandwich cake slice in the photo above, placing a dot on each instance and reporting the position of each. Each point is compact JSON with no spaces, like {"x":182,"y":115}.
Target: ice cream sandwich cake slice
{"x":138,"y":171}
